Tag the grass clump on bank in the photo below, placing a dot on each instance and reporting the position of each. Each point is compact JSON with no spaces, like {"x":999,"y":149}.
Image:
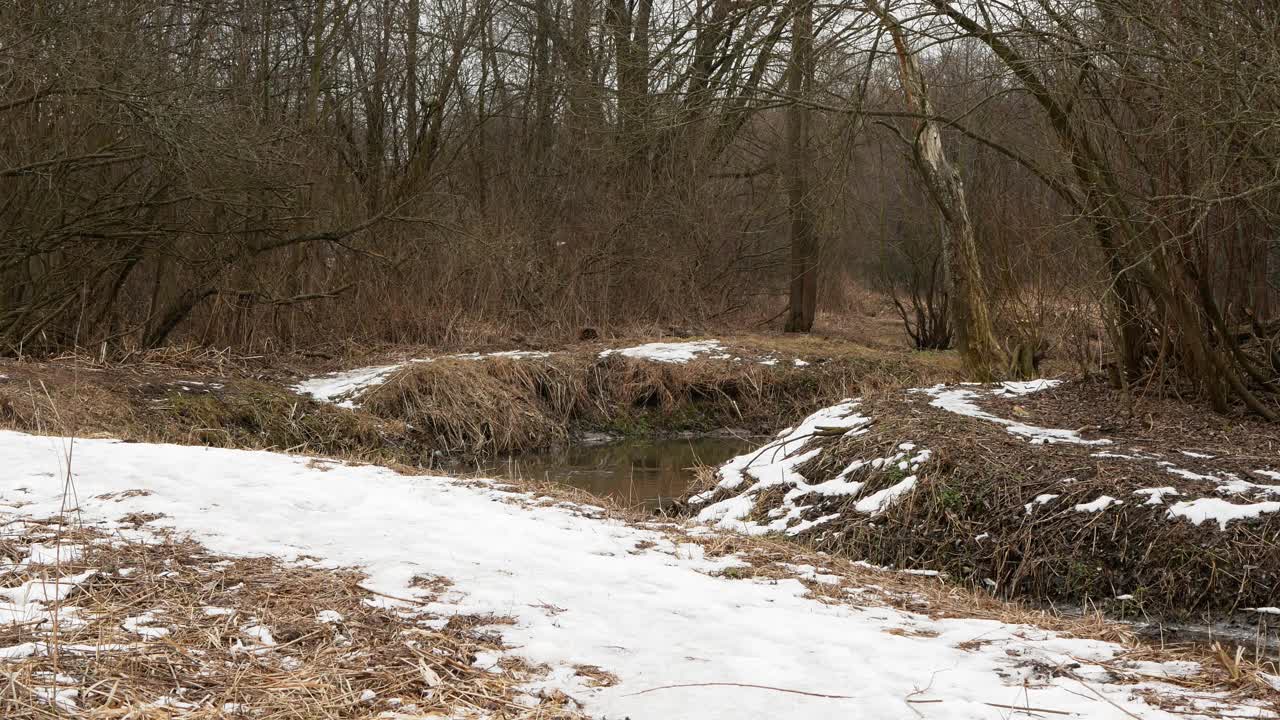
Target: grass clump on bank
{"x":168,"y":404}
{"x":453,"y":407}
{"x":502,"y":405}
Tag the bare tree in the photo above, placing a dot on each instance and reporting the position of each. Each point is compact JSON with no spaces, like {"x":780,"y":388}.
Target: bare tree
{"x":802,"y":304}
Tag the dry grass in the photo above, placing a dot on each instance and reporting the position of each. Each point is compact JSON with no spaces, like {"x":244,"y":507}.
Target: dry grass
{"x":450,"y":407}
{"x":968,"y":514}
{"x":337,"y":649}
{"x":500,"y":406}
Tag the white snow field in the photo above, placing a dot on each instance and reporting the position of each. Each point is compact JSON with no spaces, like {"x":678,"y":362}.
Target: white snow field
{"x":589,"y":591}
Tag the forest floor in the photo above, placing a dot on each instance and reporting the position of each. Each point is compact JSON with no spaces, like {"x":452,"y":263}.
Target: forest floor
{"x":181,"y":580}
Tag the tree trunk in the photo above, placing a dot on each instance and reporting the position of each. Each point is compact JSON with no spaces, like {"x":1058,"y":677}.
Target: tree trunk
{"x":804,"y":243}
{"x":966,"y":292}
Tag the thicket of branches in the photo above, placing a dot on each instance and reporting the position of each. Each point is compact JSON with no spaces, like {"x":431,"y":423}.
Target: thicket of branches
{"x":273,"y":174}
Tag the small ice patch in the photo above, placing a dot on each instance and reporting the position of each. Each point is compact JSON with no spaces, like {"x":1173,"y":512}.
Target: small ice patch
{"x":145,"y":625}
{"x":259,"y":634}
{"x":329,"y":617}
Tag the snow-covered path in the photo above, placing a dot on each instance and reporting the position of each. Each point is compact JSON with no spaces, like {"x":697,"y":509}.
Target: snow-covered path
{"x":584,"y":591}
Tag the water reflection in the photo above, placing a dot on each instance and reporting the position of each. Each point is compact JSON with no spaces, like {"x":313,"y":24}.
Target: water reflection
{"x":649,"y":472}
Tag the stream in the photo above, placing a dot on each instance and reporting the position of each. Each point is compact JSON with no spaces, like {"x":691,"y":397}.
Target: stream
{"x":636,"y":472}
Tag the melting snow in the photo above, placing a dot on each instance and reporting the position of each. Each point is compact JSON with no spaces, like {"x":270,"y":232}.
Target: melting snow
{"x":145,"y":625}
{"x":683,"y":631}
{"x":681,"y":352}
{"x":775,"y":464}
{"x":960,"y":400}
{"x":1041,"y":500}
{"x":1221,"y":511}
{"x":343,"y":387}
{"x":1098,"y":505}
{"x":1155,"y":496}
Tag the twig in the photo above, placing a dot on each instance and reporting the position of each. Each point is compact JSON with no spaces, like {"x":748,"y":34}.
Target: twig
{"x":1028,"y":709}
{"x":746,"y":685}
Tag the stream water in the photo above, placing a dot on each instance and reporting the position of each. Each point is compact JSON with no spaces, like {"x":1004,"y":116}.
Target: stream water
{"x":649,"y":472}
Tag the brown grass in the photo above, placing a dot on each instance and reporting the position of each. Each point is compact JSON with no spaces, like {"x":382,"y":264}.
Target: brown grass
{"x":981,"y":478}
{"x":210,"y":668}
{"x":500,"y":406}
{"x":450,"y":407}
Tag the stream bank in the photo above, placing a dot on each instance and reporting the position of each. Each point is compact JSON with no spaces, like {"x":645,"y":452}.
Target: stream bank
{"x":1041,"y":490}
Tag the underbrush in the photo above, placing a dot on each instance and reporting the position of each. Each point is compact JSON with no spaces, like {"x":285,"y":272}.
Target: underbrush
{"x":992,"y":510}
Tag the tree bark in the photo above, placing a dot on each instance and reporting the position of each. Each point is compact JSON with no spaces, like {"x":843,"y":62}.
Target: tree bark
{"x":966,"y":293}
{"x":804,"y":243}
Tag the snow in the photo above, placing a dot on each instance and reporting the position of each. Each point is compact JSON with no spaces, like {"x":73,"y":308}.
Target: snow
{"x":878,"y":502}
{"x":1041,"y":500}
{"x":1098,"y":505}
{"x":27,"y":602}
{"x":681,"y":352}
{"x":342,"y":388}
{"x":655,"y":615}
{"x":1155,"y":496}
{"x":145,"y":625}
{"x":1221,"y":511}
{"x":513,"y":354}
{"x":960,"y":400}
{"x":775,"y":464}
{"x":1023,"y":388}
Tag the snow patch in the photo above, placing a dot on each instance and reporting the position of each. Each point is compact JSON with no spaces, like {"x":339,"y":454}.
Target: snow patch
{"x":960,"y":400}
{"x":1221,"y":511}
{"x":681,"y":352}
{"x":1098,"y":505}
